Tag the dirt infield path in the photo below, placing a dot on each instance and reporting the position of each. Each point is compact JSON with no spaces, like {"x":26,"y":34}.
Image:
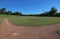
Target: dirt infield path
{"x":11,"y":31}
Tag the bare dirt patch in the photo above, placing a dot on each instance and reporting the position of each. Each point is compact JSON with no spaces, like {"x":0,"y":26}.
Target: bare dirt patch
{"x":11,"y":31}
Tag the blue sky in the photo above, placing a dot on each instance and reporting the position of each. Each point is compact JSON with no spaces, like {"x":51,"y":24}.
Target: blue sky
{"x":29,"y":6}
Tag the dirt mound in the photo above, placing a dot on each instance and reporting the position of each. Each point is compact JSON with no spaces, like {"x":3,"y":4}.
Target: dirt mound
{"x":11,"y":31}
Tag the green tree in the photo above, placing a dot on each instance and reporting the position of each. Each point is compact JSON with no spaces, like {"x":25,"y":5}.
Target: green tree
{"x":3,"y":10}
{"x":9,"y":12}
{"x":17,"y":13}
{"x":0,"y":11}
{"x":53,"y":11}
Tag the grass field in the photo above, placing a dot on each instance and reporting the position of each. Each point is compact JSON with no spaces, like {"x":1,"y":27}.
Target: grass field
{"x":35,"y":21}
{"x":31,"y":21}
{"x":1,"y":18}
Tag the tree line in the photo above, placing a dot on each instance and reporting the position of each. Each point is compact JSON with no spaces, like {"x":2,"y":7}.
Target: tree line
{"x":4,"y":12}
{"x":52,"y":12}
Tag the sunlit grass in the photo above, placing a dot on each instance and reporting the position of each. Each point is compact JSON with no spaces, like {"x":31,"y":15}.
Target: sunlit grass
{"x":30,"y":20}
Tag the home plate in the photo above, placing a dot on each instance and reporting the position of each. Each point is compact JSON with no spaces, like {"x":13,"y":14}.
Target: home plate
{"x":15,"y":34}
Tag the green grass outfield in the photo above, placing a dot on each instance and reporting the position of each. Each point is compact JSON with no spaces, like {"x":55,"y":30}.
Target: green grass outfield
{"x":31,"y":21}
{"x":1,"y":19}
{"x":35,"y":21}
